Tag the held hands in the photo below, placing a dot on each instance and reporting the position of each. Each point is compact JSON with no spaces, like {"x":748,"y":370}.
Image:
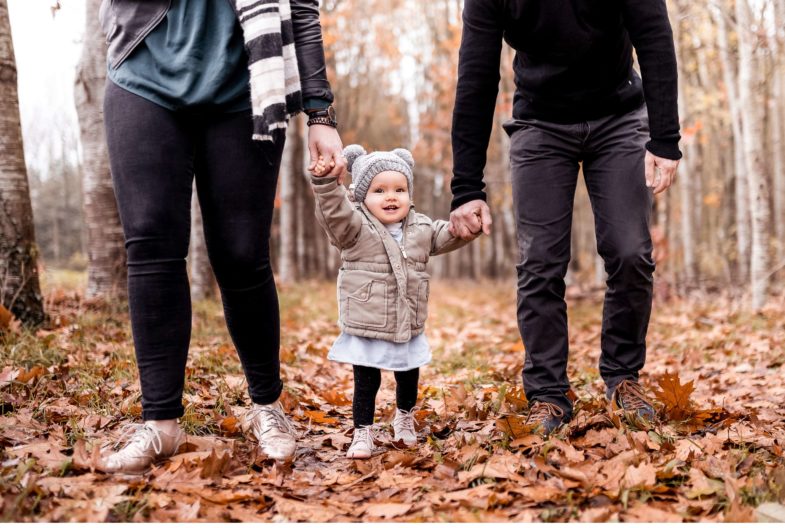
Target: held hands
{"x":471,"y":219}
{"x":660,"y":172}
{"x":325,"y":147}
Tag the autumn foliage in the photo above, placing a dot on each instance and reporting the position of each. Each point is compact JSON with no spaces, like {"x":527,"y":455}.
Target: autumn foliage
{"x":715,"y":452}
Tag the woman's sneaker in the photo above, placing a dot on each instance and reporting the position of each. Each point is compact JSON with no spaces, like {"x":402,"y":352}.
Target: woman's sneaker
{"x":545,"y":417}
{"x":363,"y":443}
{"x":403,"y":427}
{"x":272,"y":430}
{"x":145,"y":444}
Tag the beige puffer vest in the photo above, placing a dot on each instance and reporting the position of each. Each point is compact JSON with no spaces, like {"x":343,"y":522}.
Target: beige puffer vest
{"x":383,"y":287}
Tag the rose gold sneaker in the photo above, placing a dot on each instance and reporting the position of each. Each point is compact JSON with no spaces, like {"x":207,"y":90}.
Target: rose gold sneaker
{"x":403,"y":427}
{"x":145,"y":444}
{"x":363,"y":443}
{"x":272,"y":430}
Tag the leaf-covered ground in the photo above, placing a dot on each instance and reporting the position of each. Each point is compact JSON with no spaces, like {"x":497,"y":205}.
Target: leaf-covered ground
{"x":718,"y":373}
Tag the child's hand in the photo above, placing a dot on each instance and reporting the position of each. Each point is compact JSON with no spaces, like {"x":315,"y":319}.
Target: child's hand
{"x":321,"y":168}
{"x":473,"y":235}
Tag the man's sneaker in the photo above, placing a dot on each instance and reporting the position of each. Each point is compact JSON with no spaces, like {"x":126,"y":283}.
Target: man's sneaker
{"x":272,"y":430}
{"x":403,"y":427}
{"x":145,"y":444}
{"x":629,"y":396}
{"x":362,"y":443}
{"x":545,"y":417}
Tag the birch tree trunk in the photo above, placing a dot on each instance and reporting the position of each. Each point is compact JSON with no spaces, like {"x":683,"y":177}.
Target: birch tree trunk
{"x":106,"y":269}
{"x":203,"y":282}
{"x":730,"y":80}
{"x":777,"y":122}
{"x":751,"y":85}
{"x":291,"y":168}
{"x":687,"y":179}
{"x":19,"y":289}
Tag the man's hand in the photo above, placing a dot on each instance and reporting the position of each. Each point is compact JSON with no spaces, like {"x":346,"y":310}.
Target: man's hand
{"x":660,"y":172}
{"x":325,"y":144}
{"x":470,"y":219}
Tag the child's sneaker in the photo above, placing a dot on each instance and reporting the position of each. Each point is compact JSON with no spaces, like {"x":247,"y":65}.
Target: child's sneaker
{"x":145,"y":445}
{"x":363,"y":443}
{"x":403,"y":426}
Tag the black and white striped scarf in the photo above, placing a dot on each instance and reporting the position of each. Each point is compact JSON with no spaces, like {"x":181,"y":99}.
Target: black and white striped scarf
{"x":272,"y":62}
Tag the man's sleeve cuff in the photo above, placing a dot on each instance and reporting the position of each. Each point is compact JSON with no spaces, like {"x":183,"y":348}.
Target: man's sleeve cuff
{"x":463,"y":198}
{"x":664,"y":149}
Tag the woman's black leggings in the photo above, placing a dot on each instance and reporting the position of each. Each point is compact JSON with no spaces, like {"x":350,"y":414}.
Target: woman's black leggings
{"x":154,"y":155}
{"x":367,"y":381}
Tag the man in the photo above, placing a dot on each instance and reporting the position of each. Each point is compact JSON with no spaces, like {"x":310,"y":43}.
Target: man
{"x":577,"y":101}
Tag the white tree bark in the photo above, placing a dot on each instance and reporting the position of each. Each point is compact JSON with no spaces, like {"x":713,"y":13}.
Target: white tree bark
{"x":289,"y":174}
{"x":751,"y":86}
{"x":687,"y":176}
{"x":777,"y":123}
{"x":202,"y":278}
{"x":730,"y":80}
{"x":106,"y":270}
{"x":19,"y":289}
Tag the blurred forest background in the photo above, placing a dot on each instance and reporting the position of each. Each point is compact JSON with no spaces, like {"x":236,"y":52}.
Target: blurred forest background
{"x":721,"y":228}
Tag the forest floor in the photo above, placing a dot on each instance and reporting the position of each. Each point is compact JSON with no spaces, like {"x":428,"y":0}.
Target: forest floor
{"x":715,"y":370}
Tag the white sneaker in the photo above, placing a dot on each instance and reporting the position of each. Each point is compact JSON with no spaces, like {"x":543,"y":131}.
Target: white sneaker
{"x":403,"y":426}
{"x":145,"y":445}
{"x":272,"y":430}
{"x":362,"y":443}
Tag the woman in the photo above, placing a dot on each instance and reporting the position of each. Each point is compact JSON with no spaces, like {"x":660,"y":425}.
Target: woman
{"x":178,"y":106}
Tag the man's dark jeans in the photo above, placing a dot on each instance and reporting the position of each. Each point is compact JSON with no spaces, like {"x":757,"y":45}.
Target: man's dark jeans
{"x":545,"y":158}
{"x":154,"y":155}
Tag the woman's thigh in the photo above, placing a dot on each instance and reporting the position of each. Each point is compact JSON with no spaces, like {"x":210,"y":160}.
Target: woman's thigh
{"x":236,"y":180}
{"x":151,"y":153}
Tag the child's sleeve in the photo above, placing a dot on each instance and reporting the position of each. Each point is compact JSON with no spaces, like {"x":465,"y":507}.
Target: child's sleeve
{"x":335,"y":213}
{"x":442,"y":241}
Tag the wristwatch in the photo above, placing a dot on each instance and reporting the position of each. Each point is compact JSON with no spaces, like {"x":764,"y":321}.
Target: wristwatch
{"x":322,"y":116}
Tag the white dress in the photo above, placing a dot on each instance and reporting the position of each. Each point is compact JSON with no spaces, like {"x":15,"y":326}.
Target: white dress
{"x":379,"y":353}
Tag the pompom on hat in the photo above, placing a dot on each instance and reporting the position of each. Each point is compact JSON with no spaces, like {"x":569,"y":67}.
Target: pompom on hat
{"x":363,"y":167}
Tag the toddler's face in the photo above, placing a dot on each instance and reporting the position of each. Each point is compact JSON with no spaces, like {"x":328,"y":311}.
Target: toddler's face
{"x":388,"y":197}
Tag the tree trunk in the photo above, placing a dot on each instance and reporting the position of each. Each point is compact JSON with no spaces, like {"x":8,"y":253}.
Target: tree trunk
{"x":751,"y":85}
{"x":291,"y":167}
{"x":777,"y":116}
{"x":739,"y":163}
{"x":202,"y":278}
{"x":19,"y":288}
{"x":687,"y":177}
{"x":106,"y":270}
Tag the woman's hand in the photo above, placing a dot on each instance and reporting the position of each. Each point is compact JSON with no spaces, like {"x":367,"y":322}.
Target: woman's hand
{"x":326,"y":149}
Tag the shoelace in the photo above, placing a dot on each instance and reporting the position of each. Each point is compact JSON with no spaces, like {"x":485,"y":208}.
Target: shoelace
{"x":142,"y":435}
{"x":269,"y":419}
{"x":367,"y":435}
{"x":541,"y":411}
{"x":405,"y":419}
{"x":630,"y":394}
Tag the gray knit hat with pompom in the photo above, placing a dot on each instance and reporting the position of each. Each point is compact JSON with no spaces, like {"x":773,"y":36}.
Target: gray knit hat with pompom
{"x":363,"y":167}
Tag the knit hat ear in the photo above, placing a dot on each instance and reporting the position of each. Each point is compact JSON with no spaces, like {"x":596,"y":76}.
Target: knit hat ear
{"x":351,"y":153}
{"x":405,"y":155}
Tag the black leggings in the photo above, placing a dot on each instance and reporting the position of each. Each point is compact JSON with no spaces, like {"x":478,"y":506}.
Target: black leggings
{"x":367,"y":381}
{"x":155,"y":154}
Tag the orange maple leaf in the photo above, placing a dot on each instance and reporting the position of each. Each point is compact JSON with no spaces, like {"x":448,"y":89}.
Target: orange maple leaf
{"x":675,"y":396}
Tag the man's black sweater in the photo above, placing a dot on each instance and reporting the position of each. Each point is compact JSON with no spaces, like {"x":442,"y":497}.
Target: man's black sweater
{"x":573,"y":63}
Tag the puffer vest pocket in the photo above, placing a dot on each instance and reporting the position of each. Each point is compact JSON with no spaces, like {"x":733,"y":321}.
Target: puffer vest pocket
{"x":422,"y":303}
{"x":362,"y":306}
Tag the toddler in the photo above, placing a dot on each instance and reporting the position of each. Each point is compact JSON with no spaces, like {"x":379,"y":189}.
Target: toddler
{"x":382,"y":283}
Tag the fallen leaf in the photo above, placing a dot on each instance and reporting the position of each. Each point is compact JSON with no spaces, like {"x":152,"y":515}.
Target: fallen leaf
{"x":387,"y":510}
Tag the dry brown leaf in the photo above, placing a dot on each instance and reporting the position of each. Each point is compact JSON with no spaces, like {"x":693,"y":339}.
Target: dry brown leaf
{"x":675,"y":396}
{"x":320,"y":417}
{"x":641,"y":477}
{"x":650,"y":513}
{"x":387,"y":510}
